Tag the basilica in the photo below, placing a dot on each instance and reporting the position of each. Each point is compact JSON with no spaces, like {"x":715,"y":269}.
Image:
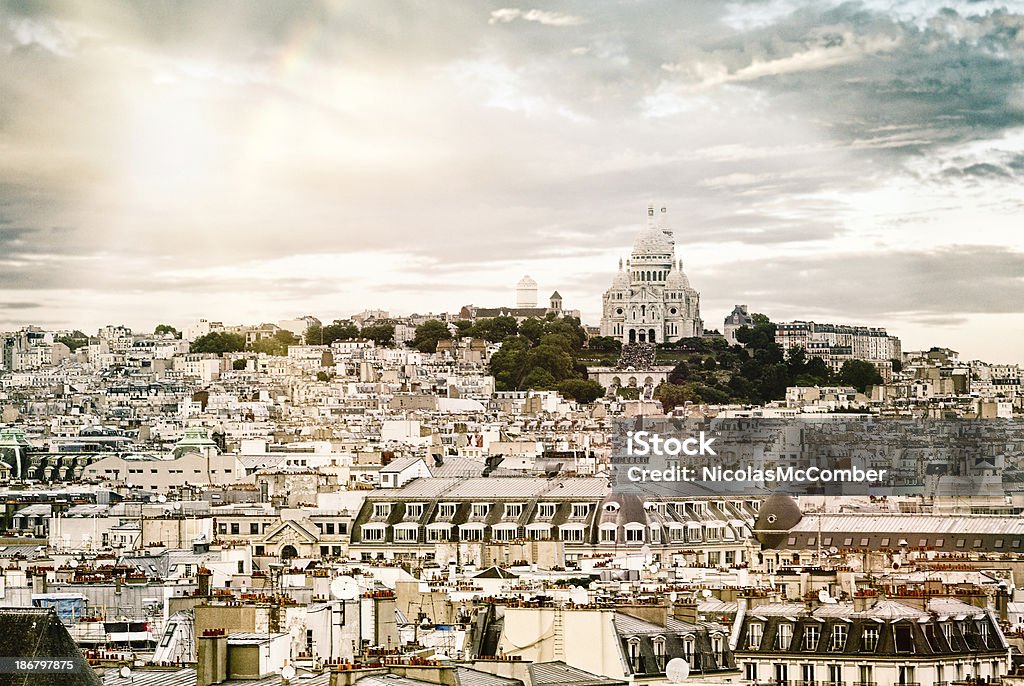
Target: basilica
{"x":650,"y":300}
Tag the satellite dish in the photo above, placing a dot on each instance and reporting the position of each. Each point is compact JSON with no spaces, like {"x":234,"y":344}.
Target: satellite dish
{"x":823,"y":596}
{"x":162,"y":498}
{"x":677,"y":670}
{"x":125,"y":672}
{"x":288,"y":672}
{"x":706,"y":593}
{"x":73,"y":564}
{"x":833,"y":550}
{"x":578,"y":595}
{"x":345,"y":588}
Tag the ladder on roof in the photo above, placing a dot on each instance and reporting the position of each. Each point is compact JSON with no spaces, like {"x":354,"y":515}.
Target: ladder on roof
{"x":559,"y":629}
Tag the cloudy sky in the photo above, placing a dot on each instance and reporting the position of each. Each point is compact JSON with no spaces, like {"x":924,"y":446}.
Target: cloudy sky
{"x":857,"y":161}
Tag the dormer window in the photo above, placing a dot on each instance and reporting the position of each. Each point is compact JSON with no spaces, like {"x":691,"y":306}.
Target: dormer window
{"x":446,"y":510}
{"x":811,"y":635}
{"x":513,"y":510}
{"x":580,"y":510}
{"x":785,"y":636}
{"x":546,"y":510}
{"x":481,"y":509}
{"x":658,"y":644}
{"x":634,"y":654}
{"x":381,"y":510}
{"x":414,"y":509}
{"x":869,"y":640}
{"x":754,"y":633}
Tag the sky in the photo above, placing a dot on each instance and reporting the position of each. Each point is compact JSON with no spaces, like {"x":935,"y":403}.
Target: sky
{"x":857,"y":162}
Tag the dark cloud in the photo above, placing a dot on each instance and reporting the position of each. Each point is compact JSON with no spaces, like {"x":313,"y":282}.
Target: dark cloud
{"x":887,"y":285}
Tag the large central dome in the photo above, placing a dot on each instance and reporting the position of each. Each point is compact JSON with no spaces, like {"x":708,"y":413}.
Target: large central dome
{"x":652,"y":241}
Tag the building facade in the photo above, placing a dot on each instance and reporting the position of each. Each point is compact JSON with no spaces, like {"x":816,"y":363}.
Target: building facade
{"x":650,"y":300}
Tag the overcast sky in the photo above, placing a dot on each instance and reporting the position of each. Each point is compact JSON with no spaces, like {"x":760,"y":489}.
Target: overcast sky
{"x":857,"y":162}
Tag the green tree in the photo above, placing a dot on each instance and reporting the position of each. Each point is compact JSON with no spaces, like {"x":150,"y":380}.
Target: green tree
{"x":463,"y":325}
{"x":323,"y":376}
{"x":672,"y":396}
{"x":218,"y":342}
{"x":581,"y":390}
{"x":428,"y":334}
{"x":494,"y":329}
{"x":338,"y":331}
{"x":532,"y":329}
{"x":162,"y":329}
{"x":605,"y":344}
{"x":76,"y":340}
{"x":381,"y":334}
{"x":239,"y":364}
{"x":860,"y":374}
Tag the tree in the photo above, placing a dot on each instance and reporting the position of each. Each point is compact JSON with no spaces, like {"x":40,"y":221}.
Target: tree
{"x":218,"y":342}
{"x":428,"y":334}
{"x":605,"y":344}
{"x":897,"y":365}
{"x":323,"y":376}
{"x":162,"y":329}
{"x":239,"y":364}
{"x":581,"y":390}
{"x":338,"y":331}
{"x":860,"y":374}
{"x":276,"y":344}
{"x":672,"y":396}
{"x":381,"y":334}
{"x":495,"y":329}
{"x":76,"y":340}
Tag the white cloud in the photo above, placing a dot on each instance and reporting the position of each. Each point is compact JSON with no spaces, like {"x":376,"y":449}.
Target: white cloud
{"x":510,"y":14}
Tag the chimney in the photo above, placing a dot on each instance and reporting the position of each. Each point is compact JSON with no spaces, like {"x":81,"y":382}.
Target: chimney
{"x":203,"y":574}
{"x":685,"y":612}
{"x":212,"y":657}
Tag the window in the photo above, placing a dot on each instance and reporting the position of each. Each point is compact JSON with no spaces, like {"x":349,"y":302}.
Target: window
{"x":866,"y":674}
{"x":254,"y":528}
{"x":446,"y":510}
{"x":835,"y":675}
{"x":947,"y":633}
{"x":999,"y":543}
{"x":923,"y":543}
{"x":811,"y":635}
{"x":785,"y":636}
{"x":373,"y":533}
{"x":608,"y":535}
{"x":481,"y":509}
{"x":904,"y":638}
{"x":869,"y":640}
{"x":406,"y":535}
{"x":807,"y":674}
{"x":906,"y":675}
{"x":863,"y":543}
{"x":939,"y":542}
{"x":635,"y":535}
{"x":781,"y":673}
{"x":750,"y":671}
{"x":960,"y":542}
{"x":513,"y":510}
{"x":414,"y":510}
{"x":689,"y":653}
{"x":827,"y":540}
{"x":580,"y":510}
{"x":847,"y":541}
{"x":885,"y":542}
{"x":572,"y":535}
{"x":754,"y":633}
{"x":381,"y":510}
{"x":634,"y":654}
{"x":234,"y":527}
{"x":838,"y":641}
{"x":658,"y":643}
{"x":983,"y":633}
{"x":472,"y":534}
{"x":504,"y":534}
{"x":539,"y":534}
{"x":547,"y":510}
{"x":435,"y":535}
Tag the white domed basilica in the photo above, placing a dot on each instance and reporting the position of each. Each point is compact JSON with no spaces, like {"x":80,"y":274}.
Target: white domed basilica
{"x":651,"y":301}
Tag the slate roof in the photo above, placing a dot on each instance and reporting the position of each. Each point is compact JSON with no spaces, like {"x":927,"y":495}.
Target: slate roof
{"x":558,"y":673}
{"x":37,"y":633}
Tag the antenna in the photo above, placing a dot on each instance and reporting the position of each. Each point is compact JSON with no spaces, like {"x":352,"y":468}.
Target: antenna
{"x":288,"y":673}
{"x":677,"y":670}
{"x":345,"y":588}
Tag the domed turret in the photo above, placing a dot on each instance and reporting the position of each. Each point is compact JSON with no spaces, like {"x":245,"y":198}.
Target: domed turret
{"x":677,"y":280}
{"x":777,"y":516}
{"x":621,"y":279}
{"x":526,"y":292}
